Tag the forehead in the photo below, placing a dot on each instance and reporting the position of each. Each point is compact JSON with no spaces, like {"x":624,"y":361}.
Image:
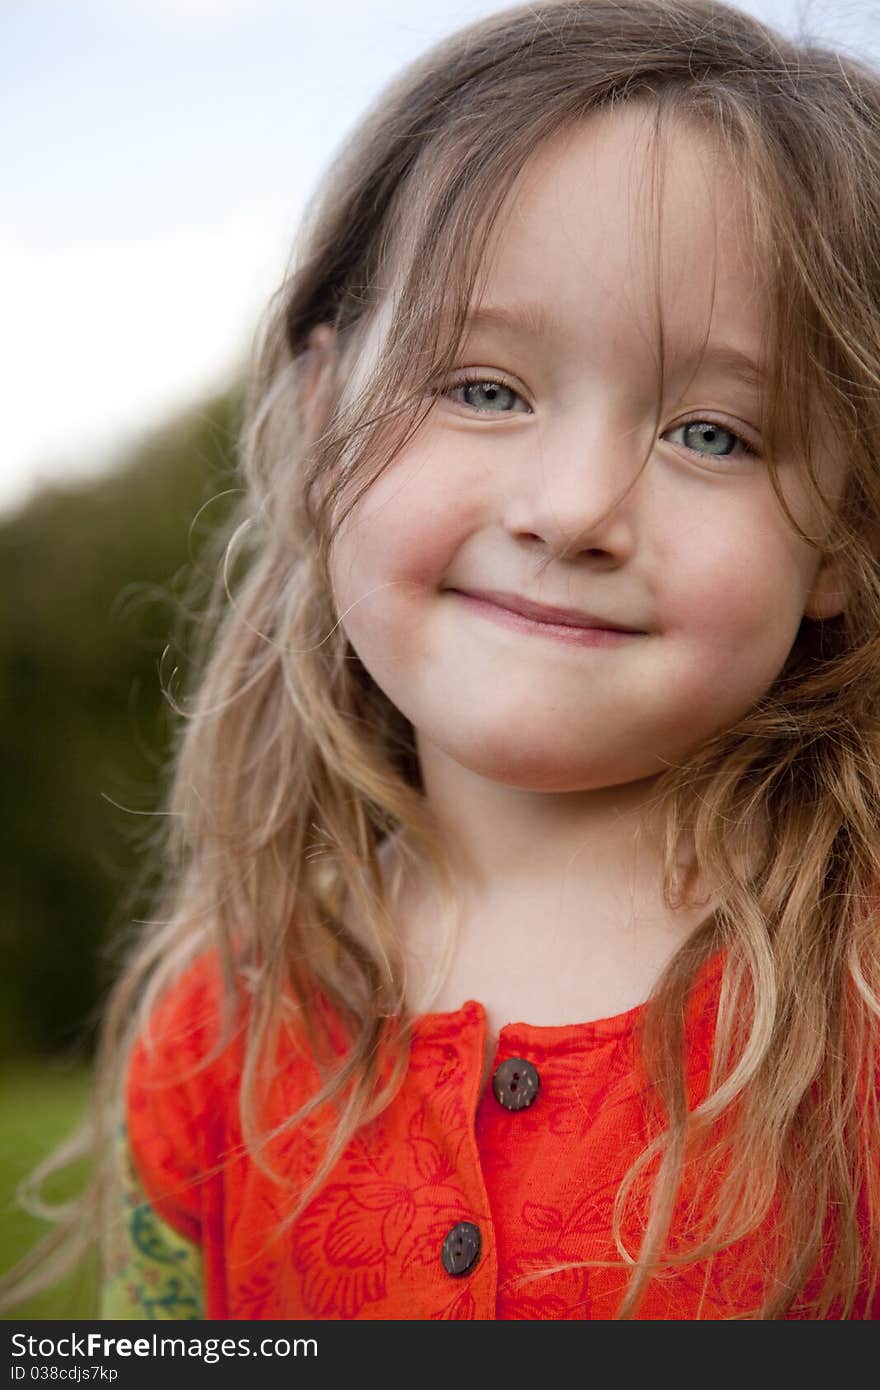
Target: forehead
{"x":606,"y":229}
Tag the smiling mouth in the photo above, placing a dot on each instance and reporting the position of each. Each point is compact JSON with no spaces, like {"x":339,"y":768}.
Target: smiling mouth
{"x":578,"y":630}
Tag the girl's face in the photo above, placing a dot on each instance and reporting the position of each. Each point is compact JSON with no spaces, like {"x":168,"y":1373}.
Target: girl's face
{"x":526,"y":483}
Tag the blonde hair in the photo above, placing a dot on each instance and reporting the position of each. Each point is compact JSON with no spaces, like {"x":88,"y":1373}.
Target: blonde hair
{"x":292,"y":766}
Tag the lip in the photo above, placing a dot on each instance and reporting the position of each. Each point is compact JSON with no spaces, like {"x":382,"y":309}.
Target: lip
{"x":545,"y":614}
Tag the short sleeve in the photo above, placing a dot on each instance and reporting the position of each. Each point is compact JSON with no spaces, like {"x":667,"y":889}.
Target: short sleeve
{"x":176,"y":1100}
{"x":152,"y":1272}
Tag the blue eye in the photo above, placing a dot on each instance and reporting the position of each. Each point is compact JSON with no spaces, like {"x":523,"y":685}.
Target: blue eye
{"x":720,"y":441}
{"x":485,"y":395}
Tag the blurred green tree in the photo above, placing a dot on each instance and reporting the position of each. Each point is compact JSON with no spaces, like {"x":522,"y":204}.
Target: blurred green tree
{"x":91,"y":577}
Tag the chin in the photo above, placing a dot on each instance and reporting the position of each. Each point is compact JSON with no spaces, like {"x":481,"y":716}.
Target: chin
{"x":539,"y":769}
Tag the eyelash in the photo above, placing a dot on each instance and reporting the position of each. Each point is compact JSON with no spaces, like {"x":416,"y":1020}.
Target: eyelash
{"x":482,"y":379}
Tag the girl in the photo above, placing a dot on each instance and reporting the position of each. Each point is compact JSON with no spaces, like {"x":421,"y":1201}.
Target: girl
{"x":518,"y":956}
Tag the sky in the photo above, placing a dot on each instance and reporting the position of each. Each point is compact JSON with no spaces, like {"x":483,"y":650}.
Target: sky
{"x":157,"y":155}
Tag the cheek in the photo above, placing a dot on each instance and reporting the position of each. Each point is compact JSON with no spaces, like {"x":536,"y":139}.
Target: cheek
{"x":740,"y":590}
{"x":411,"y":524}
{"x":397,"y":547}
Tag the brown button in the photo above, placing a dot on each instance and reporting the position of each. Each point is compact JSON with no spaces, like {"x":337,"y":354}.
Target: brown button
{"x":461,"y":1248}
{"x":516,"y":1083}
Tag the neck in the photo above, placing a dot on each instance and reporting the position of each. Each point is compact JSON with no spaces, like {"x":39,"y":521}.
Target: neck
{"x":559,"y":899}
{"x":499,"y":838}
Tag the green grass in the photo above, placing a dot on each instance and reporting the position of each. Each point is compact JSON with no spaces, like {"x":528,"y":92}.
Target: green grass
{"x":39,"y":1106}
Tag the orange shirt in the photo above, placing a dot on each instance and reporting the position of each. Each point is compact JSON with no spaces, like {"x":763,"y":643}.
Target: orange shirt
{"x":438,"y":1207}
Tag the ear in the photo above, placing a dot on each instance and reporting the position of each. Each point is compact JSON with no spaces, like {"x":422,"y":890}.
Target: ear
{"x":322,"y":357}
{"x":828,"y":596}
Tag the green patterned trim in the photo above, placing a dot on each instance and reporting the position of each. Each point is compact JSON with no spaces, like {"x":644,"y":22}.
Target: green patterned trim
{"x":153,"y":1272}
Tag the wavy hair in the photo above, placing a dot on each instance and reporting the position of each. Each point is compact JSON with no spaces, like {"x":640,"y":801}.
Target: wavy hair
{"x":291,"y":767}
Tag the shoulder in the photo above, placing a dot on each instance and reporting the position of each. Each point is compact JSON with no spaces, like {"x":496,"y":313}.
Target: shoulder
{"x":189,"y":1027}
{"x":184,"y":1022}
{"x":184,"y":1082}
{"x":181,"y":1088}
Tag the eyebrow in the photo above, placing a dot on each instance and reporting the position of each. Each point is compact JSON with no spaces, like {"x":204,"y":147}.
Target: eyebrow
{"x":533,"y":318}
{"x":529,"y":315}
{"x":736,"y":362}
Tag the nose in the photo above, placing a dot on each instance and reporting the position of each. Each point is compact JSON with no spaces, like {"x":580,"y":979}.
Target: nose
{"x":581,"y":491}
